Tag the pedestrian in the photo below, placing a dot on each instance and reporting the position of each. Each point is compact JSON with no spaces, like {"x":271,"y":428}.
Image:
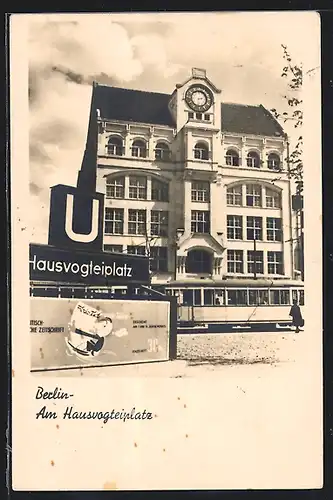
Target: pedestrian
{"x":295,"y":313}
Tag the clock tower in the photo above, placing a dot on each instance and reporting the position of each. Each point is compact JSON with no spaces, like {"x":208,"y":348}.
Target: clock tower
{"x":196,"y":102}
{"x":196,"y":106}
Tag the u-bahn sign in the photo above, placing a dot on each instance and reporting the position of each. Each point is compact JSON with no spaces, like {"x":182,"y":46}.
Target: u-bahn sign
{"x":76,"y":218}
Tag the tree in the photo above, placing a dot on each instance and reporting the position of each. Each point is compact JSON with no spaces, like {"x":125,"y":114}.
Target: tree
{"x":294,"y":115}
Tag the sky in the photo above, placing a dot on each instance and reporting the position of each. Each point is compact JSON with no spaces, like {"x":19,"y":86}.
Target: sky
{"x":241,"y":53}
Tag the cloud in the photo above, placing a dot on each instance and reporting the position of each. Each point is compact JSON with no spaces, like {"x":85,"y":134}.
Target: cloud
{"x":65,"y":57}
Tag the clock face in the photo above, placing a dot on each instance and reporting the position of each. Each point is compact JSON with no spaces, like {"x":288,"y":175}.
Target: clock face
{"x":199,"y":98}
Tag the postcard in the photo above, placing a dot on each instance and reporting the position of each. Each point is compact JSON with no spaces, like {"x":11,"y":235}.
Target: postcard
{"x":166,"y":251}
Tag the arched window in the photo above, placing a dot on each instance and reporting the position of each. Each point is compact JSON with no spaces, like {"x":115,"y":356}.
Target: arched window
{"x":273,"y":161}
{"x":199,"y":261}
{"x":162,"y":151}
{"x":201,"y":151}
{"x":139,"y":149}
{"x":253,"y":159}
{"x":115,"y":146}
{"x":273,"y":198}
{"x":253,"y":195}
{"x":235,"y":195}
{"x":232,"y":158}
{"x":115,"y":187}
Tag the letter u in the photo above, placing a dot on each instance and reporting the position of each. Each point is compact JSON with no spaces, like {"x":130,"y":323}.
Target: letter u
{"x":82,"y":238}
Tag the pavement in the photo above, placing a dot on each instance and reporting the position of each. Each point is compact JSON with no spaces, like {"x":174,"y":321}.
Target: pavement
{"x":203,"y":355}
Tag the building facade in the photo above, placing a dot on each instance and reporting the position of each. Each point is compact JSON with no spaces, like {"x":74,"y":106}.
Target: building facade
{"x":199,"y":185}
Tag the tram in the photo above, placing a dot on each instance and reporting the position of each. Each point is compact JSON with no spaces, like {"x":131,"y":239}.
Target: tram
{"x":235,"y":305}
{"x":231,"y":305}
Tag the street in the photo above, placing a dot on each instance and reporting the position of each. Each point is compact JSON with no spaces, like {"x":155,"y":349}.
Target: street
{"x":202,"y":354}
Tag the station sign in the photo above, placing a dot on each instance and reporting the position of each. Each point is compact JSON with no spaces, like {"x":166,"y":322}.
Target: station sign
{"x":52,"y":264}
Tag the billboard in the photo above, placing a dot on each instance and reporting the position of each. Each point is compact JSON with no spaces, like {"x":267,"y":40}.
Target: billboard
{"x":51,"y":264}
{"x":74,"y":333}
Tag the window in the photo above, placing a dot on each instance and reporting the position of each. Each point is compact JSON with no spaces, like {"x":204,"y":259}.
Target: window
{"x":234,"y":227}
{"x":115,"y":146}
{"x":159,"y":223}
{"x":114,"y":220}
{"x":200,"y":191}
{"x":198,"y":261}
{"x":159,"y":190}
{"x":138,"y":188}
{"x":254,"y":228}
{"x":253,"y":160}
{"x":201,"y":151}
{"x":280,"y":297}
{"x":136,"y":250}
{"x":232,"y":158}
{"x":136,"y":221}
{"x":207,"y":117}
{"x":253,"y":195}
{"x":255,"y":262}
{"x":235,"y":261}
{"x":115,"y":188}
{"x":139,"y":149}
{"x":200,"y":221}
{"x":113,"y":248}
{"x":159,"y":259}
{"x":273,"y":199}
{"x":220,"y":297}
{"x":234,"y":196}
{"x":198,"y":116}
{"x":273,"y":161}
{"x":237,"y":298}
{"x":275,"y":262}
{"x":208,"y":299}
{"x":274,"y":229}
{"x":301,"y":298}
{"x":258,"y":297}
{"x":188,"y":297}
{"x":162,"y":152}
{"x":190,"y":115}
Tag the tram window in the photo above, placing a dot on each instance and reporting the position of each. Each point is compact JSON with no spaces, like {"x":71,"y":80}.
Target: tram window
{"x":237,"y":298}
{"x":263,"y":297}
{"x":208,"y":297}
{"x":285,"y":297}
{"x":301,"y":297}
{"x":295,"y":295}
{"x":188,"y":297}
{"x":258,"y":297}
{"x":280,"y":297}
{"x":197,"y":297}
{"x":219,"y":298}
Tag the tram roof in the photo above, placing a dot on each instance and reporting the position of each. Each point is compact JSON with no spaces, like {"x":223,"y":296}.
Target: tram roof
{"x":237,"y":283}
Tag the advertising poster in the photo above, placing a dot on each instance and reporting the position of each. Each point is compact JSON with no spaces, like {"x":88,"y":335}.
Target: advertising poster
{"x":166,"y":260}
{"x":80,"y":333}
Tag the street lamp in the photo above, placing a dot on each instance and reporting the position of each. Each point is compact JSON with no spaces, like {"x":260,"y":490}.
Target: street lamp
{"x":179,"y":233}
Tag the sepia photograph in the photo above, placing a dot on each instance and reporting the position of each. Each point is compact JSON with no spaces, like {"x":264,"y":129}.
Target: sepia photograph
{"x":169,"y":224}
{"x":198,"y":170}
